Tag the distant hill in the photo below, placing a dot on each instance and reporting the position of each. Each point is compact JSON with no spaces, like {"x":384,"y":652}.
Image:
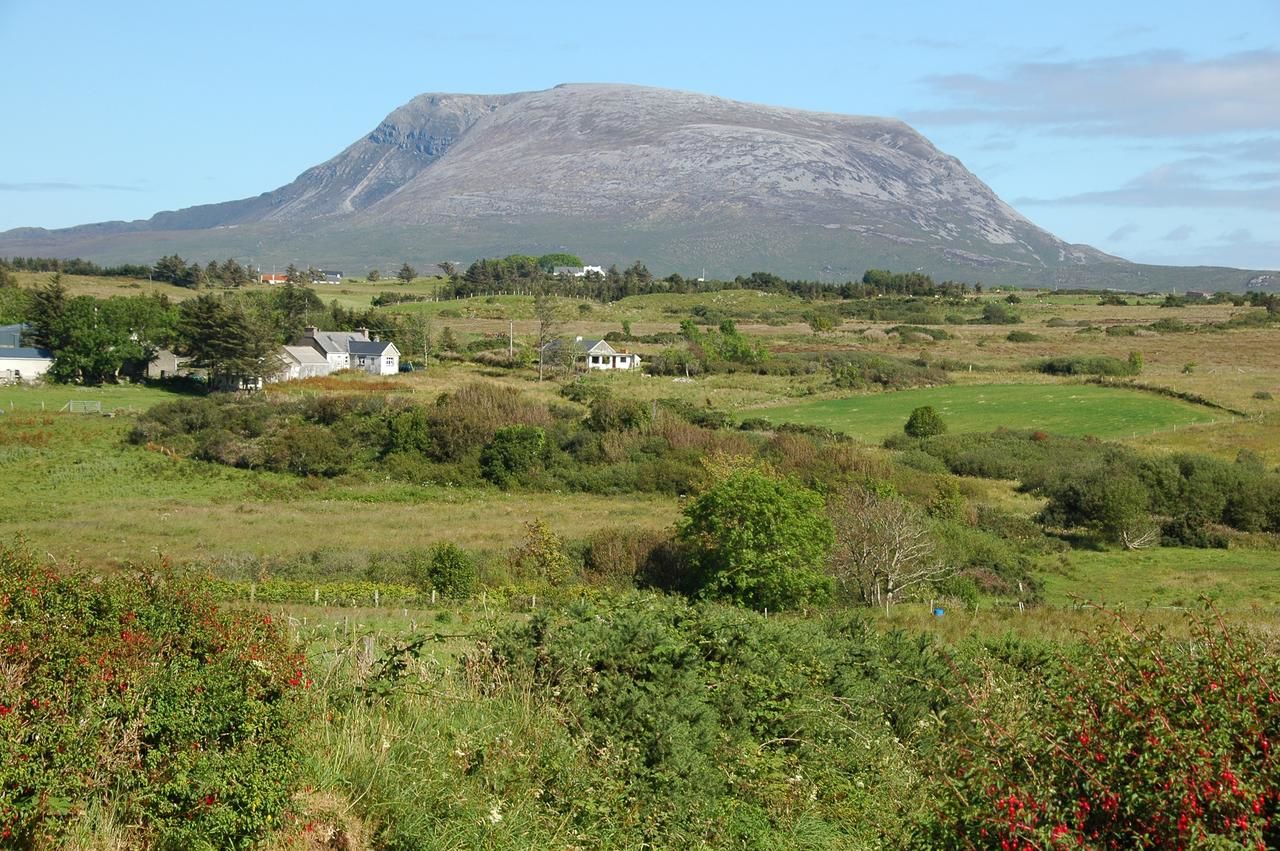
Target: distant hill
{"x":616,"y":173}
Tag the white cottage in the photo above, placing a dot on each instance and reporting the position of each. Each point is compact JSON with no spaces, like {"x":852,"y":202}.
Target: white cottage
{"x":596,"y":354}
{"x":353,"y":350}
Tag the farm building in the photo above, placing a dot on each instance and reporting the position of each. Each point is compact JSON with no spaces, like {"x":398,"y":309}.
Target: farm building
{"x":166,"y":364}
{"x":11,"y":336}
{"x":18,"y":362}
{"x":24,"y":364}
{"x":301,"y":362}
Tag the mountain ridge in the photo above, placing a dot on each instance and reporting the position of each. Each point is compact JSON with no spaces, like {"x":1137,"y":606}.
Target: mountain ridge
{"x":619,"y":172}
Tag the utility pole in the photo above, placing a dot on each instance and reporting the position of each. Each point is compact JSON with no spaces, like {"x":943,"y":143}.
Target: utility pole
{"x":511,"y":339}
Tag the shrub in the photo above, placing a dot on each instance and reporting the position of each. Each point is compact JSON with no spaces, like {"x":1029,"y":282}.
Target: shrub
{"x":1079,"y":365}
{"x":305,"y":450}
{"x":1133,"y":741}
{"x":860,"y":371}
{"x":513,"y":450}
{"x":138,"y":693}
{"x":924,"y":422}
{"x":997,"y":314}
{"x":619,"y":556}
{"x":448,"y":569}
{"x":609,"y":414}
{"x":1023,"y":337}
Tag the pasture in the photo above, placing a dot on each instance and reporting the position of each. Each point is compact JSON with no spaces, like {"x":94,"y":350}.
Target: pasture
{"x":1060,"y":408}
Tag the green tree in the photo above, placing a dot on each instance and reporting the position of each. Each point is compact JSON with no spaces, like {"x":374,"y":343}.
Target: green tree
{"x":373,"y":276}
{"x":406,"y":274}
{"x":549,"y":261}
{"x":1108,"y":500}
{"x":924,"y":422}
{"x":512,"y":450}
{"x":221,"y":338}
{"x":759,"y":541}
{"x":46,"y":315}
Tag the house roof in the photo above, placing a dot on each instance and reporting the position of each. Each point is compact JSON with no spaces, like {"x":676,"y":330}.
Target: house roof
{"x":591,"y":346}
{"x":26,"y":354}
{"x":370,"y":347}
{"x":335,"y":341}
{"x":11,"y":335}
{"x":305,"y":355}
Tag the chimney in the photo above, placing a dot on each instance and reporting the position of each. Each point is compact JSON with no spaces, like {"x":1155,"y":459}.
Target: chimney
{"x":311,"y":331}
{"x":363,"y":332}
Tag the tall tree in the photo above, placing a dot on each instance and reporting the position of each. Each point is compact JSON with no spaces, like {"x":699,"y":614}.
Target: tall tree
{"x":406,"y":274}
{"x":221,"y":338}
{"x":759,"y":540}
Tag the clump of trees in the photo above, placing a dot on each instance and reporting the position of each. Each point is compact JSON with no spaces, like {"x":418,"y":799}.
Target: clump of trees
{"x":1118,"y":494}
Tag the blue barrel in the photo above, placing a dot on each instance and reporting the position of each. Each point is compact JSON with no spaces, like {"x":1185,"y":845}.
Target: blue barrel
{"x":939,"y":612}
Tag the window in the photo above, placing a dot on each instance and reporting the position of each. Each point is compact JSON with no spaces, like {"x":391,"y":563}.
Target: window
{"x":390,"y":362}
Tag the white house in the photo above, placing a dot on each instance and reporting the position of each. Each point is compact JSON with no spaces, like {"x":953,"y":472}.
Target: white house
{"x":300,"y":362}
{"x":577,"y":271}
{"x":24,"y":364}
{"x":596,"y":354}
{"x":375,"y":357}
{"x":353,"y":350}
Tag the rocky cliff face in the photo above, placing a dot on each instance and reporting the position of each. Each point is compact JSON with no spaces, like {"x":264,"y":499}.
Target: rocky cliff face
{"x":617,"y":172}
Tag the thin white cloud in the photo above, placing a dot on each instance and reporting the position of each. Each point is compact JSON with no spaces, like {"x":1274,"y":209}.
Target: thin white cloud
{"x":1179,"y":234}
{"x":1156,"y":94}
{"x":1123,"y":232}
{"x":61,"y":186}
{"x":1183,"y":183}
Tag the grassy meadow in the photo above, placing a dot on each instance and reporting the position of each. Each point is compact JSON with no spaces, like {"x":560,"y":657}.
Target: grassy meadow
{"x":435,"y":727}
{"x":1068,"y":409}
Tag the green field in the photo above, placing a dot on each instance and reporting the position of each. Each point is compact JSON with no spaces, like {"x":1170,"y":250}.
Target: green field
{"x":1238,"y":580}
{"x":52,"y":397}
{"x":1065,"y":409}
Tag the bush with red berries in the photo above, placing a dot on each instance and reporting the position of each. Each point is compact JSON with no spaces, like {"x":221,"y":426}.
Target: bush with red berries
{"x":1133,"y":740}
{"x":137,"y":694}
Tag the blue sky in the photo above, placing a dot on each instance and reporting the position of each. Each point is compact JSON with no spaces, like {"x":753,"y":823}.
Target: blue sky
{"x":1149,"y":130}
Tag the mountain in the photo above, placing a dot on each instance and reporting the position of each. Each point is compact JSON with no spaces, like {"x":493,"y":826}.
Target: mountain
{"x":615,"y":173}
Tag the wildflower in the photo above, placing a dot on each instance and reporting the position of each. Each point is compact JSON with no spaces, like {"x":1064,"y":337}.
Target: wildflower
{"x":5,"y":710}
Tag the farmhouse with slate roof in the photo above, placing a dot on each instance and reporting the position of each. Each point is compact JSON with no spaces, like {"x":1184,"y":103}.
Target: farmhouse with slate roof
{"x":353,"y":350}
{"x":595,"y":354}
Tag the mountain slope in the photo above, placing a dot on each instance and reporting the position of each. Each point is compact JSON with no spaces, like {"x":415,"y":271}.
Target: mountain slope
{"x":615,"y":173}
